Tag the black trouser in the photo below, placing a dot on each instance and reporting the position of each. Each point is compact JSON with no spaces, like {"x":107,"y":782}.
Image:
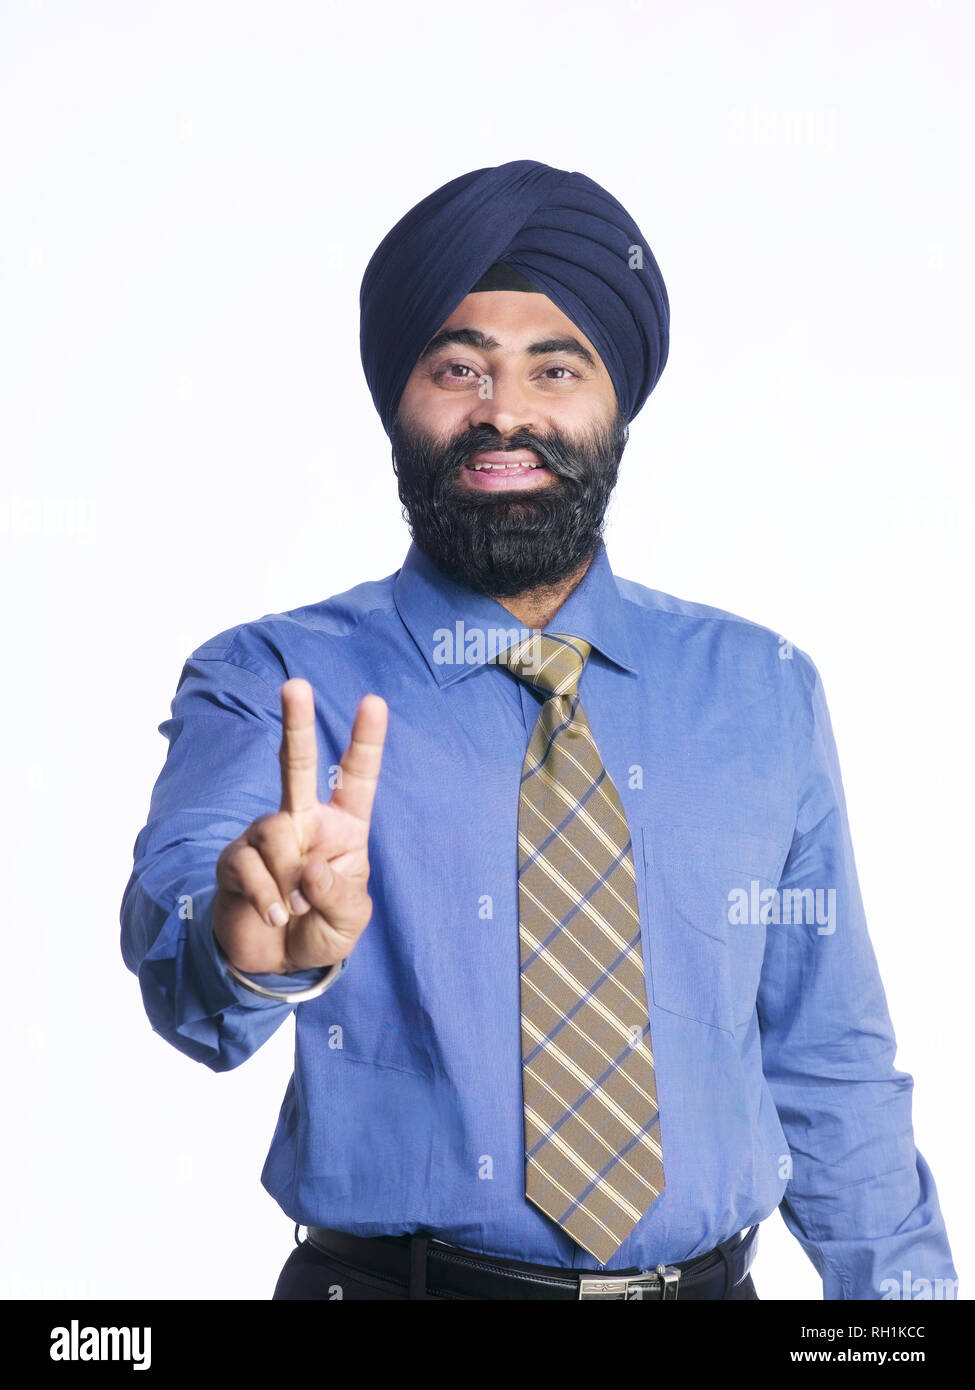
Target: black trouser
{"x":309,"y":1273}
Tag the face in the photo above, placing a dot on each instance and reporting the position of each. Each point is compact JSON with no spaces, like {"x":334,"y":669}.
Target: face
{"x":507,"y":444}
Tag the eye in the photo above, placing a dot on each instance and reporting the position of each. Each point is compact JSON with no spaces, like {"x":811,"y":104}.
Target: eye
{"x":558,"y":374}
{"x":446,"y":372}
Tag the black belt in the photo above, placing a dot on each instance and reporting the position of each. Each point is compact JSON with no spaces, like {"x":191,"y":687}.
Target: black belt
{"x":426,"y":1266}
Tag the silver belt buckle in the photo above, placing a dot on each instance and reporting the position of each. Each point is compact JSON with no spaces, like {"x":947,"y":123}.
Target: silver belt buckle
{"x":661,"y":1283}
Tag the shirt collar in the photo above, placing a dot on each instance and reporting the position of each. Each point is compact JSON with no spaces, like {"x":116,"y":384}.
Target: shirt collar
{"x":453,"y":625}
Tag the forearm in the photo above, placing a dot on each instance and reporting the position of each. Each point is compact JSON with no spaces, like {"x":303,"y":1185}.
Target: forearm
{"x":860,"y":1198}
{"x":190,"y":997}
{"x":220,"y":773}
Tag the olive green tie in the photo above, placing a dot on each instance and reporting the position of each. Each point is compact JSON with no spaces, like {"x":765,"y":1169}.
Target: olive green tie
{"x":592,"y":1141}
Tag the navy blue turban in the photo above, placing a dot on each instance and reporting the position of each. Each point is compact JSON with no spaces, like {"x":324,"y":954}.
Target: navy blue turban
{"x":561,"y":230}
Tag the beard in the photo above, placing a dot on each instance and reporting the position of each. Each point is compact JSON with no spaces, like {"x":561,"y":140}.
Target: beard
{"x":510,"y":543}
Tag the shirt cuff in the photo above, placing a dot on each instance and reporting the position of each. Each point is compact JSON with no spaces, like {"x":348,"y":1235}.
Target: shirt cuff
{"x":208,"y":946}
{"x":290,"y":984}
{"x":280,"y":983}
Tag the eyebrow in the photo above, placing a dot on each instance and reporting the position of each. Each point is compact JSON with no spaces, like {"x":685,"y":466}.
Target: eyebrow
{"x":473,"y":337}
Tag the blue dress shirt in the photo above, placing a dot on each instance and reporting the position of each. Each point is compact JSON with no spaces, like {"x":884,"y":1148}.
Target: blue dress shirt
{"x":772,"y":1041}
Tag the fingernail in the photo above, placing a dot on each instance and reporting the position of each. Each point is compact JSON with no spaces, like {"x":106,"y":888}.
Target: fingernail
{"x":277,"y":916}
{"x":300,"y":904}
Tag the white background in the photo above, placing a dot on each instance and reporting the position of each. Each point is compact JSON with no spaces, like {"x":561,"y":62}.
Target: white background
{"x":191,"y":192}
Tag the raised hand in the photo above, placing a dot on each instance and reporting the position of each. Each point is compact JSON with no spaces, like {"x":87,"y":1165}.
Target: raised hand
{"x":291,"y":890}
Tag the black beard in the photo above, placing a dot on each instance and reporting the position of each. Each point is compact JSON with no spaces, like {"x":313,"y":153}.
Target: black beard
{"x":505,"y":544}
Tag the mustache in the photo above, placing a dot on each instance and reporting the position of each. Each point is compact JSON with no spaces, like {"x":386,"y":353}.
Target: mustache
{"x":549,"y":450}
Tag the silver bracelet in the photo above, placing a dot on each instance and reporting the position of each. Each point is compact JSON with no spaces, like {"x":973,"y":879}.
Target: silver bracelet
{"x":332,"y":972}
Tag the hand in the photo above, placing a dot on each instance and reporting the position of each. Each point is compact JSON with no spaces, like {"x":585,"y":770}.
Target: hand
{"x":291,"y":890}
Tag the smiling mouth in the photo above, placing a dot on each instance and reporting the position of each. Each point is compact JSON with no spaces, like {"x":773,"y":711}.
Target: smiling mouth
{"x":502,"y":467}
{"x":502,"y":470}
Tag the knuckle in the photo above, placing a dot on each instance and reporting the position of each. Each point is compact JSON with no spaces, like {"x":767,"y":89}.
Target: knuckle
{"x":230,"y":852}
{"x":297,"y":760}
{"x":248,"y":869}
{"x":257,"y":830}
{"x":231,"y":866}
{"x":266,"y":834}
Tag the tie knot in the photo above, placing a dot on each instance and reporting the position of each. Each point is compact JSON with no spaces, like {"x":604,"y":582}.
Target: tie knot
{"x":552,"y":662}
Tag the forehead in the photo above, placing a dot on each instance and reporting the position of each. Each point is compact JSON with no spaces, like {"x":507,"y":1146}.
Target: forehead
{"x":515,"y":318}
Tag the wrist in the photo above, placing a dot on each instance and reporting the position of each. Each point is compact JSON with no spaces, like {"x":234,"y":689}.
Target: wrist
{"x":327,"y":977}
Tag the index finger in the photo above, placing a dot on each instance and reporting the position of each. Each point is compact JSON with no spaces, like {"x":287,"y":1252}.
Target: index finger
{"x":356,"y":787}
{"x":299,"y":749}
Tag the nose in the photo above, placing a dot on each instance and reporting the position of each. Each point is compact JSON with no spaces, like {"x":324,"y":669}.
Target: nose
{"x":505,"y":406}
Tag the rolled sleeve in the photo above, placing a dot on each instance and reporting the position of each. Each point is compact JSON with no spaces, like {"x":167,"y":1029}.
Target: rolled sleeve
{"x":860,"y":1197}
{"x":221,"y":773}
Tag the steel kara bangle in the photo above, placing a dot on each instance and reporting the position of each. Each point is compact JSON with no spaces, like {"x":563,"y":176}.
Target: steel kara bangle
{"x":332,"y":972}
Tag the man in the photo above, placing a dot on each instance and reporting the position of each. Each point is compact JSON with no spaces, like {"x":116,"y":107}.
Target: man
{"x":569,"y":921}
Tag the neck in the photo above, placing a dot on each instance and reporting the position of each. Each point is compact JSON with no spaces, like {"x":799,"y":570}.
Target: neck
{"x":536,"y":608}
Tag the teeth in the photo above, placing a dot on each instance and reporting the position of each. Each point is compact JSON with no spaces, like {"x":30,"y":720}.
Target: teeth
{"x":503,"y":467}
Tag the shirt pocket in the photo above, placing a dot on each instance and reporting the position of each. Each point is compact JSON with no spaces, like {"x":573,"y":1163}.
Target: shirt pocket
{"x":704,"y":939}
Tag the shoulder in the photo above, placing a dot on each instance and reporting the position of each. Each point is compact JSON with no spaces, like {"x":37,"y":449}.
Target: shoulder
{"x":266,"y":645}
{"x":732,"y":636}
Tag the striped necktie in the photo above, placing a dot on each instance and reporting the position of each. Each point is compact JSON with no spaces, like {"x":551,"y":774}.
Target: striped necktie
{"x":592,"y":1142}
